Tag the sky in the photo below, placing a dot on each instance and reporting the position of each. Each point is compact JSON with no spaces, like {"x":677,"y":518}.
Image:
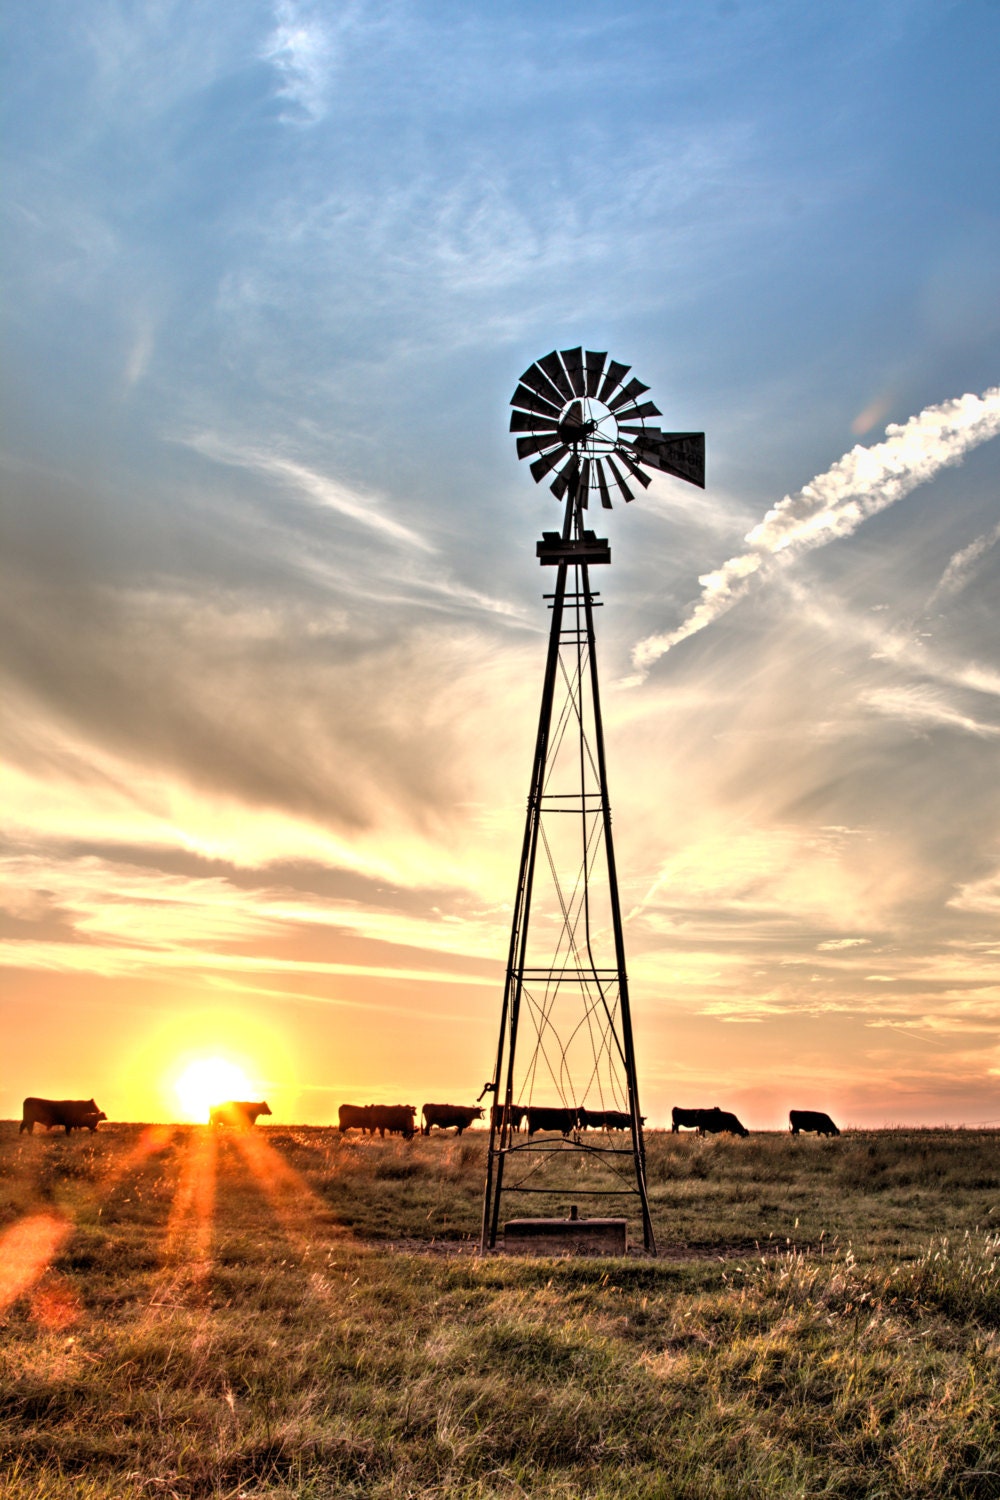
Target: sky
{"x":272,"y":627}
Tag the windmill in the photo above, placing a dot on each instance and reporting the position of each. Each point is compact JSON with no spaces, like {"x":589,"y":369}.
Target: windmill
{"x":565,"y":1060}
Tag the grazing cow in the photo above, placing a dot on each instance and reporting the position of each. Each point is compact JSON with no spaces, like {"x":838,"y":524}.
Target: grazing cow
{"x":73,"y":1114}
{"x":516,"y":1115}
{"x":398,"y":1119}
{"x":239,"y":1112}
{"x":722,"y":1122}
{"x":354,"y":1117}
{"x":446,"y":1115}
{"x":605,"y":1119}
{"x":563,"y":1120}
{"x":811,"y":1119}
{"x":714,"y":1121}
{"x":691,"y":1119}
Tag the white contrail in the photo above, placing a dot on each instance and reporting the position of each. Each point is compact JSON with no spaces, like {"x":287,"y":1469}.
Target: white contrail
{"x":834,"y":504}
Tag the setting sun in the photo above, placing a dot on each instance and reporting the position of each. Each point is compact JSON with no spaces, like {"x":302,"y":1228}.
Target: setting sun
{"x":208,"y":1081}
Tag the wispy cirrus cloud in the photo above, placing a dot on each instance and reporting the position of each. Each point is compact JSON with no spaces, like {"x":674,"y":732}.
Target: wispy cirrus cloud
{"x":961,"y":566}
{"x":923,"y":708}
{"x":301,"y":50}
{"x":305,"y":47}
{"x":102,"y":916}
{"x":309,"y":484}
{"x":835,"y":503}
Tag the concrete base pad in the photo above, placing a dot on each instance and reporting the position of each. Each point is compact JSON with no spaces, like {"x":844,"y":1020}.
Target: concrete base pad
{"x":565,"y":1237}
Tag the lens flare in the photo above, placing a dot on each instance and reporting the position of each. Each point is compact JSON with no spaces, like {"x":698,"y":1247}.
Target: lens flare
{"x":26,"y":1250}
{"x":208,"y":1081}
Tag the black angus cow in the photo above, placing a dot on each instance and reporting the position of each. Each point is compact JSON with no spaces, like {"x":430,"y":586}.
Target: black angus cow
{"x":398,"y":1119}
{"x":723,"y":1122}
{"x":605,"y":1119}
{"x":444,"y":1116}
{"x":242,"y":1113}
{"x":517,"y":1116}
{"x":354,"y":1117}
{"x":539,"y":1118}
{"x":811,"y":1119}
{"x":691,"y":1119}
{"x":714,"y":1121}
{"x":72,"y":1114}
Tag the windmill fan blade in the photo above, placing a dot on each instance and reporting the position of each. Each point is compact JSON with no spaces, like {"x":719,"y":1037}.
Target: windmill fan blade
{"x":584,"y":483}
{"x":602,"y":485}
{"x":628,"y":395}
{"x":636,"y":413}
{"x":554,"y":370}
{"x":595,"y":364}
{"x":532,"y":401}
{"x":548,"y":461}
{"x":620,"y":480}
{"x":679,"y":453}
{"x":530,"y":421}
{"x":540,"y":382}
{"x":536,"y":444}
{"x":573,"y":360}
{"x":564,"y":479}
{"x":633,"y":468}
{"x":616,"y":374}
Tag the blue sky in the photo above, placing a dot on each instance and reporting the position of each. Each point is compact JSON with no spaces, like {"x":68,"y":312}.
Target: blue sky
{"x":272,"y":622}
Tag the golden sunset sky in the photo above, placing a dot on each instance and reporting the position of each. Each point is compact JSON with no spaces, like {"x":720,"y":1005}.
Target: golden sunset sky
{"x":272,"y":625}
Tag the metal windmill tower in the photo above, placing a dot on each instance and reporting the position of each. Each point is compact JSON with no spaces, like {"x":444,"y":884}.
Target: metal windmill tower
{"x":565,"y":1059}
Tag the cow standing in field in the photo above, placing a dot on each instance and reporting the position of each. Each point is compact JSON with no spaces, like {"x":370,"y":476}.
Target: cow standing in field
{"x":811,"y":1119}
{"x":398,"y":1119}
{"x":516,"y":1115}
{"x":72,"y":1114}
{"x":540,"y":1118}
{"x":444,"y":1116}
{"x":714,"y":1121}
{"x":239,"y":1112}
{"x":354,"y":1117}
{"x":691,"y":1119}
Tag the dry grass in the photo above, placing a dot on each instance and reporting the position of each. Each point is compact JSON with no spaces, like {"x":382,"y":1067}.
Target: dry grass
{"x":190,"y":1318}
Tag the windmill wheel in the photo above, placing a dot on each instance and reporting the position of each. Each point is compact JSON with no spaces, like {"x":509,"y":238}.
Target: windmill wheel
{"x":589,"y":428}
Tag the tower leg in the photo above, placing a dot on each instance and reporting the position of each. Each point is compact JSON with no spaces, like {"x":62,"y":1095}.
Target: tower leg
{"x":510,"y":1012}
{"x":638,"y":1143}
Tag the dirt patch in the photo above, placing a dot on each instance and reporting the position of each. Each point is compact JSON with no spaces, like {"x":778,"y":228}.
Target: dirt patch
{"x":721,"y":1250}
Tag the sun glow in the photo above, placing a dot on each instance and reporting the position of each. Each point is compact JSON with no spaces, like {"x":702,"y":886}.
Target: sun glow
{"x":208,"y":1081}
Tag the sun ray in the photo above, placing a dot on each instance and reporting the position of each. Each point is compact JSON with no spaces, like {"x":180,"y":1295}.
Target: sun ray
{"x":284,"y":1187}
{"x":29,"y":1246}
{"x":189,"y":1234}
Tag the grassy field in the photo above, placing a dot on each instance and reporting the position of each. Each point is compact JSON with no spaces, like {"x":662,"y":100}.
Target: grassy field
{"x":285,"y":1313}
